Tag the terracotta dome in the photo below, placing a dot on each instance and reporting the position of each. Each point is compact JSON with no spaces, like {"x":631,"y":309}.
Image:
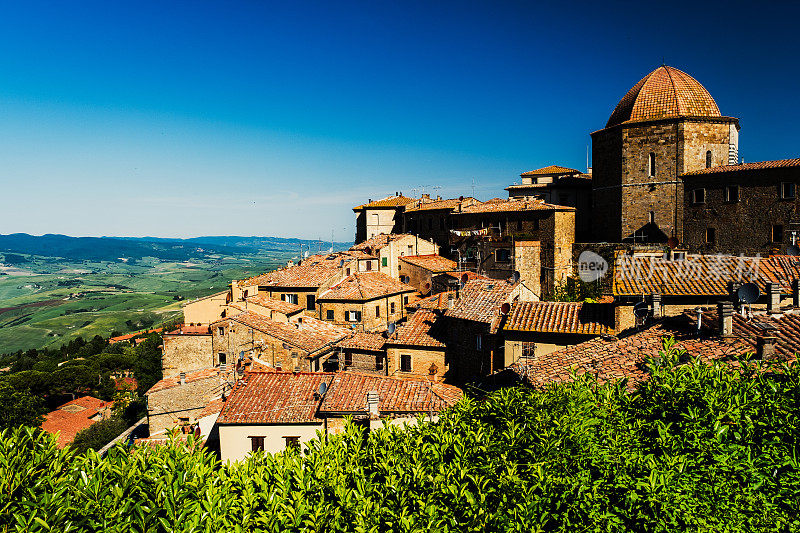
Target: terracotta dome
{"x":664,"y":93}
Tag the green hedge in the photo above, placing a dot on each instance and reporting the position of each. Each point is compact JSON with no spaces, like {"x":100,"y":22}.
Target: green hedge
{"x":698,"y":448}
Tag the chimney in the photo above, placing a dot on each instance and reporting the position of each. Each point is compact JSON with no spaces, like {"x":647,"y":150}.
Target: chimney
{"x":765,"y":344}
{"x":183,"y":378}
{"x":657,"y":309}
{"x":796,"y":293}
{"x":725,"y":315}
{"x":372,"y":403}
{"x":699,"y":312}
{"x":774,"y":298}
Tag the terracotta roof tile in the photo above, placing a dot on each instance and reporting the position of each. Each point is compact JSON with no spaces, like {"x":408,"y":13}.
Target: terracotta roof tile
{"x":309,"y":335}
{"x":423,"y":328}
{"x":437,"y":301}
{"x":508,"y":206}
{"x":376,"y":242}
{"x":175,"y":381}
{"x":760,"y":165}
{"x":552,"y":169}
{"x":287,"y":308}
{"x":389,"y":201}
{"x":664,"y":93}
{"x":313,"y":271}
{"x":364,"y":341}
{"x":561,"y":317}
{"x":348,"y":394}
{"x":480,"y":300}
{"x":434,"y":263}
{"x":73,"y":417}
{"x":435,"y":205}
{"x":365,"y":286}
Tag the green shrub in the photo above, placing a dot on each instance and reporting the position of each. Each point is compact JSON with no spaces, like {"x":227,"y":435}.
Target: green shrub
{"x":99,"y":434}
{"x":697,"y":448}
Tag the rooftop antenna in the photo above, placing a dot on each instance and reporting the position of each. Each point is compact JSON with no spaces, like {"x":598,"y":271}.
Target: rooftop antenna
{"x":748,"y":294}
{"x":473,"y":187}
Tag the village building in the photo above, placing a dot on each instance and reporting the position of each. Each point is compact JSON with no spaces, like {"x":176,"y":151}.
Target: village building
{"x":452,"y":281}
{"x":559,"y":185}
{"x":431,"y":218}
{"x":384,"y":216}
{"x":535,"y":329}
{"x":418,"y":348}
{"x":367,"y":301}
{"x":534,"y":238}
{"x":419,"y":270}
{"x":361,"y":352}
{"x":272,"y":308}
{"x":73,"y":417}
{"x":300,"y":344}
{"x":387,"y":249}
{"x":271,"y":412}
{"x":186,"y":349}
{"x":205,"y":310}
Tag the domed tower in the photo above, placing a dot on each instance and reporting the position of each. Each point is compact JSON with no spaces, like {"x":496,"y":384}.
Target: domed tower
{"x":666,"y":125}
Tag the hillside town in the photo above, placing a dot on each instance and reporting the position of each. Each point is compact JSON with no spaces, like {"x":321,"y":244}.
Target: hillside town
{"x":667,"y":236}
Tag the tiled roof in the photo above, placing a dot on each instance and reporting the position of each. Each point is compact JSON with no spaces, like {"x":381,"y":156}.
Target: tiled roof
{"x":458,"y":274}
{"x":216,"y":294}
{"x":700,"y":275}
{"x":72,"y":417}
{"x":434,"y":263}
{"x":287,"y":308}
{"x":508,"y":206}
{"x":552,"y":169}
{"x":389,"y":201}
{"x":664,"y":93}
{"x":190,"y":330}
{"x":561,"y":317}
{"x":365,"y":286}
{"x":376,"y":242}
{"x":309,"y":335}
{"x":434,"y":205}
{"x":760,"y":165}
{"x":439,"y":300}
{"x":363,"y":341}
{"x":422,"y":329}
{"x":175,"y":381}
{"x":348,"y":394}
{"x":274,"y":398}
{"x":213,"y":407}
{"x":313,"y":271}
{"x":480,"y":300}
{"x":613,"y":358}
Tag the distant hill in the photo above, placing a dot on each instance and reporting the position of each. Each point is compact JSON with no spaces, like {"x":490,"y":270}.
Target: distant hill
{"x":112,"y":248}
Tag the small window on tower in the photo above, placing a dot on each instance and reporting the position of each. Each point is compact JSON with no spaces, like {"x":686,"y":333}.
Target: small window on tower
{"x":329,"y":314}
{"x":652,"y":217}
{"x":711,"y":236}
{"x":787,"y":190}
{"x":708,"y":159}
{"x":699,"y":196}
{"x":732,"y":193}
{"x":777,"y":233}
{"x":651,"y":165}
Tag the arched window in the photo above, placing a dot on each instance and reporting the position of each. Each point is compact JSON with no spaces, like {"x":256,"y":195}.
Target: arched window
{"x":651,"y":165}
{"x":708,"y":159}
{"x":652,"y":218}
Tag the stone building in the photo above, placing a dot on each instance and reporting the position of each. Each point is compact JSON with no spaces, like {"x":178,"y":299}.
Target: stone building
{"x":749,"y":208}
{"x":665,"y":126}
{"x":186,"y":349}
{"x":302,"y":343}
{"x":381,"y":216}
{"x":361,"y":352}
{"x":367,"y":301}
{"x":431,"y":218}
{"x":559,"y":185}
{"x":204,"y":311}
{"x":418,"y":347}
{"x":419,"y":270}
{"x":485,"y":236}
{"x":387,"y":249}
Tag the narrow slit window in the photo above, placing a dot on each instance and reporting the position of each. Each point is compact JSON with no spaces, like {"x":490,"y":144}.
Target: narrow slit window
{"x":651,"y":165}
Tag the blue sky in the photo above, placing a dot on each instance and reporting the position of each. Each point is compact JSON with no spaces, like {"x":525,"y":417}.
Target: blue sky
{"x":178,"y":119}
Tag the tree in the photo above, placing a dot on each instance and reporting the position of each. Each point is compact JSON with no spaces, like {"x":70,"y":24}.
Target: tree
{"x":19,"y":408}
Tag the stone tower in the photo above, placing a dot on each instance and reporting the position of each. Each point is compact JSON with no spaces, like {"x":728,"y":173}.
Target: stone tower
{"x":666,"y":125}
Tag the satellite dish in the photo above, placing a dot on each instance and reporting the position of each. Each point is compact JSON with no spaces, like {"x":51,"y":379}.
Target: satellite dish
{"x":516,"y":276}
{"x":505,"y":308}
{"x":793,"y":250}
{"x":641,"y":309}
{"x":241,"y":355}
{"x":427,"y":287}
{"x":391,"y":327}
{"x":341,"y":263}
{"x":672,"y":242}
{"x":748,"y":293}
{"x":368,"y":250}
{"x":323,"y":388}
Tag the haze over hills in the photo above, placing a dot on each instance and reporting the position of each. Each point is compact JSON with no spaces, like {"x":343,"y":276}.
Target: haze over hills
{"x":113,"y":248}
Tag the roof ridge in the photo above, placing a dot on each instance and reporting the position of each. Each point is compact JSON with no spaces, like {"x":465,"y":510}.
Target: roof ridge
{"x":674,"y":89}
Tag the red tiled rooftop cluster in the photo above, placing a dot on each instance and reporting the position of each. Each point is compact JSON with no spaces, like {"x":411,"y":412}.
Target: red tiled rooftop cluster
{"x":561,"y":317}
{"x":365,"y":286}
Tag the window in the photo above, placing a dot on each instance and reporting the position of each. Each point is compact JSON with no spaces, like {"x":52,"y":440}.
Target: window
{"x":405,"y":300}
{"x":711,"y":236}
{"x":244,"y":294}
{"x":777,"y":233}
{"x":354,"y":316}
{"x":787,"y":190}
{"x":519,"y":225}
{"x":377,"y":311}
{"x":651,"y":165}
{"x":348,"y":271}
{"x":329,"y":314}
{"x":221,"y":330}
{"x":311,"y":302}
{"x":708,"y":159}
{"x":291,"y":298}
{"x":405,"y":362}
{"x":379,"y":362}
{"x":651,"y":218}
{"x":478,"y":341}
{"x":368,"y":265}
{"x":732,"y":193}
{"x":222,"y":358}
{"x":348,"y":358}
{"x":502,"y":255}
{"x":699,"y":196}
{"x":385,"y":261}
{"x":257,"y":444}
{"x":391,"y":307}
{"x":292,"y":442}
{"x":528,"y":349}
{"x":410,"y":249}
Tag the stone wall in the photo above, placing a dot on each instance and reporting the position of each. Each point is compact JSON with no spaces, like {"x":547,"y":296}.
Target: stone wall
{"x":181,"y":404}
{"x":183,"y":353}
{"x":367,"y":361}
{"x":528,"y":263}
{"x":421,"y":360}
{"x":205,"y":310}
{"x":375,"y":314}
{"x":236,"y":338}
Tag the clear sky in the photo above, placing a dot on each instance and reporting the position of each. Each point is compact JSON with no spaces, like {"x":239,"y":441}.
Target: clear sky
{"x":179,"y":119}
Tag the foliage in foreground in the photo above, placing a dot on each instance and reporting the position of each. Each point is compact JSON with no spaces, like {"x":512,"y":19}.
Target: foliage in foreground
{"x":698,"y":448}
